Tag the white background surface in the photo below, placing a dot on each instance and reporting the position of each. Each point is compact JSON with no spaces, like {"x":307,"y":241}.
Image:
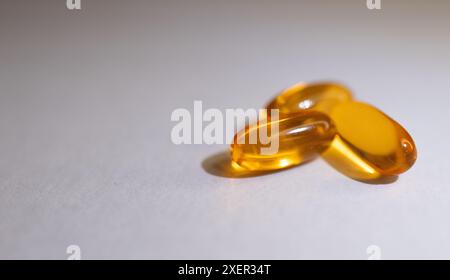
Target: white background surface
{"x":85,"y":151}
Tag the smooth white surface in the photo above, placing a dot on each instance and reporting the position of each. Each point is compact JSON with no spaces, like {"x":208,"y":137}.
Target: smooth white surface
{"x":85,"y":151}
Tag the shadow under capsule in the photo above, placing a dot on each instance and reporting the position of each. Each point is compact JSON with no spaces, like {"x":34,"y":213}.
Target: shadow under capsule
{"x":221,"y":165}
{"x":342,"y":158}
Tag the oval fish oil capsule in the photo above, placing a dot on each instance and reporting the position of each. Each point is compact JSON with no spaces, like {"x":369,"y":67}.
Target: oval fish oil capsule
{"x":298,"y":138}
{"x":368,"y":144}
{"x":320,"y":97}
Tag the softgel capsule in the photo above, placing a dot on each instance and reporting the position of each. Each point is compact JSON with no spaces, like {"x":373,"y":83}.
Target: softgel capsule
{"x":368,"y":144}
{"x":301,"y":137}
{"x":356,"y":138}
{"x":320,"y":97}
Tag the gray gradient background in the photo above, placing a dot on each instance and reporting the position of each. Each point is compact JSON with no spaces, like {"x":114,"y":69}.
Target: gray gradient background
{"x":85,"y":151}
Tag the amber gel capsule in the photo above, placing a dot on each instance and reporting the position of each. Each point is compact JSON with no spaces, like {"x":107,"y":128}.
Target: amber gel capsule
{"x":300,"y":137}
{"x":321,"y":97}
{"x":368,"y":144}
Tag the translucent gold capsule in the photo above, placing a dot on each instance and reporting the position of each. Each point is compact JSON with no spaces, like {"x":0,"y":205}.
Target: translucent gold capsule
{"x":300,"y":137}
{"x":320,"y":97}
{"x":368,"y":144}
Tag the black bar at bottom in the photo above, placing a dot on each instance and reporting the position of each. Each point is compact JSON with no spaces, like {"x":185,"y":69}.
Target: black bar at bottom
{"x":178,"y":269}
